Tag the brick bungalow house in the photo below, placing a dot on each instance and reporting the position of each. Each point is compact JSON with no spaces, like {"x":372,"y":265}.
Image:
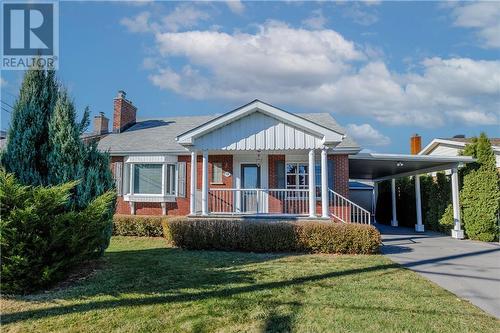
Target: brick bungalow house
{"x":254,"y":160}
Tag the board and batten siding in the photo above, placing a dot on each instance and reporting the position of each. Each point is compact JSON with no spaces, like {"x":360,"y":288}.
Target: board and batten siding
{"x":258,"y":131}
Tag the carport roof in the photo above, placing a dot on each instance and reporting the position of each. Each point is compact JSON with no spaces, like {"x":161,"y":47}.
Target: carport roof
{"x":386,"y":166}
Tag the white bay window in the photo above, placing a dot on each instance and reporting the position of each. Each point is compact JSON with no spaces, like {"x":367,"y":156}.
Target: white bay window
{"x":153,"y":178}
{"x":148,"y":178}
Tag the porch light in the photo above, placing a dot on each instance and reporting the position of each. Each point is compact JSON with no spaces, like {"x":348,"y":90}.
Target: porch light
{"x":399,"y":164}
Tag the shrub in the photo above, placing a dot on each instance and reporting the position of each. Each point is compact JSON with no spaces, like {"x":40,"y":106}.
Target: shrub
{"x":447,"y":223}
{"x":480,"y":195}
{"x":41,"y":239}
{"x":144,"y":226}
{"x":439,"y":199}
{"x":271,"y":236}
{"x":480,"y":199}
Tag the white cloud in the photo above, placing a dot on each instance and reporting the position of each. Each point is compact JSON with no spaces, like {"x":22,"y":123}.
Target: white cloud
{"x":366,"y":135}
{"x":139,"y":23}
{"x":359,"y":14}
{"x":316,"y":20}
{"x":183,"y":16}
{"x":236,"y":6}
{"x":321,"y":70}
{"x":483,"y":16}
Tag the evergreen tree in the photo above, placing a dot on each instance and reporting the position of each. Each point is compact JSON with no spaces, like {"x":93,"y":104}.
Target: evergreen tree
{"x":439,"y":199}
{"x":480,"y":195}
{"x":95,"y":174}
{"x":64,"y":138}
{"x":28,"y":146}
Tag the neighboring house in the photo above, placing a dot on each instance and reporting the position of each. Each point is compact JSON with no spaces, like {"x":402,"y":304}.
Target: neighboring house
{"x":453,"y":146}
{"x":101,"y":129}
{"x":254,"y":160}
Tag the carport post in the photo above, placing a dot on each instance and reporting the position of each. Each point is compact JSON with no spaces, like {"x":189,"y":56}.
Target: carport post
{"x":457,"y":231}
{"x":394,"y":221}
{"x":419,"y":227}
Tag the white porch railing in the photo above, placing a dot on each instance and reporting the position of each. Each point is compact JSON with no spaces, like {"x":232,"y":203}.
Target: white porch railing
{"x":345,"y":210}
{"x":282,"y":201}
{"x":258,"y":201}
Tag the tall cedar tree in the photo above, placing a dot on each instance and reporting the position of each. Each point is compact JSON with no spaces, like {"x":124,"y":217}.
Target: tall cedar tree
{"x":44,"y":146}
{"x":480,"y":195}
{"x":28,"y":146}
{"x":66,"y":147}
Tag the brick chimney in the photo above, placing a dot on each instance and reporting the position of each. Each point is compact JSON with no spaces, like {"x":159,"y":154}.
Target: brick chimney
{"x":415,"y":144}
{"x":124,"y":113}
{"x":101,"y":124}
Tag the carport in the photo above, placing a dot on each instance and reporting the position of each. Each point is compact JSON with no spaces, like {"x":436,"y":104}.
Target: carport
{"x":380,"y":167}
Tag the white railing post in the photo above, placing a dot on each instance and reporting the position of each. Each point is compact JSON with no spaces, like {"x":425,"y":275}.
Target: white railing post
{"x":204,"y":185}
{"x":312,"y":185}
{"x":394,"y":221}
{"x":192,"y":194}
{"x":457,"y":231}
{"x":324,"y":183}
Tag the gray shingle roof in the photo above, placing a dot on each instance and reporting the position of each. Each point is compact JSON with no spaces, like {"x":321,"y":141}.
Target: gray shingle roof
{"x":158,"y":135}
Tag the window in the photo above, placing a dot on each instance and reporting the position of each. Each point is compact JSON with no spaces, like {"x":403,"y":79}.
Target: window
{"x":297,"y":176}
{"x":170,"y":180}
{"x":154,"y":179}
{"x":147,"y":178}
{"x":217,"y":172}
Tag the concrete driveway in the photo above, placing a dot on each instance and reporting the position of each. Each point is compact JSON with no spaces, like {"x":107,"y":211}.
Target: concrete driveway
{"x":469,"y":269}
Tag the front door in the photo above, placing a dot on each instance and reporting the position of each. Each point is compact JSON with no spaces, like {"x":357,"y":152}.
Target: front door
{"x":250,"y":185}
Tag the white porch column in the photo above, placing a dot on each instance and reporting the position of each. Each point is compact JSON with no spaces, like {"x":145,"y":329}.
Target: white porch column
{"x":419,"y":227}
{"x":394,"y":221}
{"x":204,"y":184}
{"x":457,"y":231}
{"x":375,"y":199}
{"x":192,"y":193}
{"x":324,"y":183}
{"x":312,"y":185}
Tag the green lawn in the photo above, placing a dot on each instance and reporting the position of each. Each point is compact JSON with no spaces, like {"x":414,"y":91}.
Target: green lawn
{"x":143,"y":286}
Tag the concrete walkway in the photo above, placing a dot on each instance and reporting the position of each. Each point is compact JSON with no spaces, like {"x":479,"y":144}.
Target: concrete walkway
{"x":469,"y":269}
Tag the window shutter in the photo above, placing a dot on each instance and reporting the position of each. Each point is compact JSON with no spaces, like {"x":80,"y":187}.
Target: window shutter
{"x":181,"y":182}
{"x":117,"y":175}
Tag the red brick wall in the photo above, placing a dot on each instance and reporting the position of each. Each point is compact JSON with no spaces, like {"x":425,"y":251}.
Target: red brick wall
{"x":124,"y":114}
{"x":181,"y":205}
{"x":340,"y":174}
{"x":272,"y":178}
{"x":275,"y":205}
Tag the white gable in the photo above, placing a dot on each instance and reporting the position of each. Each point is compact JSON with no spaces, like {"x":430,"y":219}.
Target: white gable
{"x":258,"y":131}
{"x":285,"y":127}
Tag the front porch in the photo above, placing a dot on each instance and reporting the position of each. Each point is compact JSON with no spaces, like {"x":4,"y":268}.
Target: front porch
{"x":272,"y":184}
{"x":281,"y":164}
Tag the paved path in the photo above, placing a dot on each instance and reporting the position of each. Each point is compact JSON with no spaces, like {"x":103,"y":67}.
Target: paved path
{"x":469,"y":269}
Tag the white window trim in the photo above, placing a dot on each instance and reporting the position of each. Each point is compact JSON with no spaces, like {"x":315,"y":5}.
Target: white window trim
{"x":131,"y":161}
{"x":306,"y":163}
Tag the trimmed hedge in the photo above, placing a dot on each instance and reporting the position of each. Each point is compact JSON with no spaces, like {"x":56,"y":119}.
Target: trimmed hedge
{"x":271,"y":236}
{"x":143,"y":226}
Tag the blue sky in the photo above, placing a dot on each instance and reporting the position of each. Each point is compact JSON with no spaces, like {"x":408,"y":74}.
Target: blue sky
{"x":384,"y":70}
